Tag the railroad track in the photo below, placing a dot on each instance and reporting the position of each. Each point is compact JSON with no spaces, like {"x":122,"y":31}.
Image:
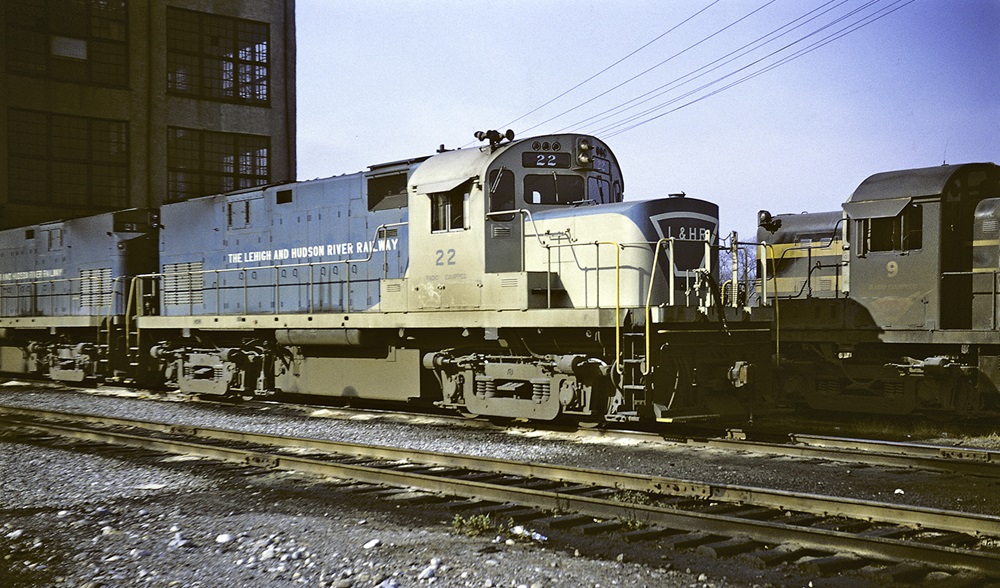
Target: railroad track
{"x":959,"y":460}
{"x":827,"y":534}
{"x":952,"y":459}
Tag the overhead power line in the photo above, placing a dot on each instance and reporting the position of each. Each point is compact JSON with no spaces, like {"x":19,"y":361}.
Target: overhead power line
{"x":615,"y":64}
{"x":844,"y":31}
{"x":707,"y":68}
{"x":648,"y":70}
{"x":736,"y":55}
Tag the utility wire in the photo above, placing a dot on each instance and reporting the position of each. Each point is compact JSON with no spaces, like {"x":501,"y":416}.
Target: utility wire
{"x":809,"y":49}
{"x":837,"y":20}
{"x":672,"y":29}
{"x":679,"y":81}
{"x":639,"y":75}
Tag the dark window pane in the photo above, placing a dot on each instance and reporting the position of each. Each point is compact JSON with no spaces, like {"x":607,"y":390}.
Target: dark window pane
{"x":108,"y":141}
{"x":27,"y":51}
{"x":69,"y":183}
{"x":110,"y":186}
{"x":27,"y":15}
{"x":28,"y":180}
{"x":183,"y":73}
{"x":553,"y":189}
{"x":107,"y":20}
{"x":214,"y":162}
{"x":80,"y":41}
{"x":69,"y":17}
{"x":27,"y":133}
{"x":502,"y":194}
{"x":217,"y":57}
{"x":108,"y":63}
{"x":183,"y":31}
{"x":71,"y":160}
{"x":69,"y":137}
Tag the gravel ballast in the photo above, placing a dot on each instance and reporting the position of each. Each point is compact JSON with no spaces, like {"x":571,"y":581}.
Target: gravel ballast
{"x":71,"y":519}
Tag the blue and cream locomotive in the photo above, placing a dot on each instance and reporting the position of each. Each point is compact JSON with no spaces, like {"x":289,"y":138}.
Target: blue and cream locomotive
{"x":509,"y":279}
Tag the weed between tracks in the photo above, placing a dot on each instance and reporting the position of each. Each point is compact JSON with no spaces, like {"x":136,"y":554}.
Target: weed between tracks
{"x":479,"y":524}
{"x":482,"y":524}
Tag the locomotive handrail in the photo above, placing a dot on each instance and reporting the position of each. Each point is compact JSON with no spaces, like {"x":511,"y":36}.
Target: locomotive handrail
{"x":111,"y":304}
{"x":670,"y":241}
{"x":381,"y":229}
{"x":649,"y":292}
{"x":618,"y":307}
{"x":52,"y":295}
{"x":524,"y":212}
{"x":762,"y":254}
{"x":809,"y":249}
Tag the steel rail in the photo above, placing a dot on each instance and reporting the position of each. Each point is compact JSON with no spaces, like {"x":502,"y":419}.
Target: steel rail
{"x":764,"y":531}
{"x":917,"y":517}
{"x":962,"y":460}
{"x":946,"y":452}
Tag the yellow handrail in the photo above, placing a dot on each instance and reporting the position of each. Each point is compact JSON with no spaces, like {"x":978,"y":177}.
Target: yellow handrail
{"x":128,"y":314}
{"x":618,"y":303}
{"x":649,"y":293}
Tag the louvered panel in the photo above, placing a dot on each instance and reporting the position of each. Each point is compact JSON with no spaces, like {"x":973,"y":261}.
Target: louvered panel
{"x":183,"y":283}
{"x":95,"y":287}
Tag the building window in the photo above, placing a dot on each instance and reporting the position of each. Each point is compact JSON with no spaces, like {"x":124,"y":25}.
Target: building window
{"x":67,"y":160}
{"x":200,"y":163}
{"x":216,"y":57}
{"x":81,"y":41}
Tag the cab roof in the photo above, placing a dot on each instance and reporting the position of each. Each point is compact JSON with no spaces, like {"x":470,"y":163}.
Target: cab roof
{"x":909,"y":183}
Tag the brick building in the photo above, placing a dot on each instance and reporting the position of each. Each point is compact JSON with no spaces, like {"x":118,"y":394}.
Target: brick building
{"x":111,"y":104}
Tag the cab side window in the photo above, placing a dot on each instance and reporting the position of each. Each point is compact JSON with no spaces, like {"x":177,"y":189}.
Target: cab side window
{"x":448,"y":209}
{"x":502,"y":193}
{"x":599,"y":190}
{"x":903,"y":232}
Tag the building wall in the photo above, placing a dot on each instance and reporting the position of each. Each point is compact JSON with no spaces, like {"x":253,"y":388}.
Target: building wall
{"x":68,"y":112}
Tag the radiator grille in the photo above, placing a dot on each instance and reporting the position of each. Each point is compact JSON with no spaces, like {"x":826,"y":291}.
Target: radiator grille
{"x":95,"y":287}
{"x":183,"y":283}
{"x":501,"y":232}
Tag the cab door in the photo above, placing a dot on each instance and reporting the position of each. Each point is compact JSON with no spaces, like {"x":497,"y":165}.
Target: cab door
{"x":504,"y":224}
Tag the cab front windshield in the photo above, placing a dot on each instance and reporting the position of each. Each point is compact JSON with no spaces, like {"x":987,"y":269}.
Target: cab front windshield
{"x":554,"y":189}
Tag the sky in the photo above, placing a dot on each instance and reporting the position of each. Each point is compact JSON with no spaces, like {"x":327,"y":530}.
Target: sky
{"x":389,"y":80}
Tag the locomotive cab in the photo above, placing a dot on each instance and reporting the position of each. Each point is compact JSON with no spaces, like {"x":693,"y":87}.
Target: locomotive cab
{"x":565,"y":170}
{"x":473,"y":215}
{"x":912,"y":265}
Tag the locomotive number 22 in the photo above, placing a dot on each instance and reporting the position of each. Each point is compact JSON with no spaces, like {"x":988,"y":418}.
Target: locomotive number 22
{"x":445,"y":257}
{"x":544,"y":160}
